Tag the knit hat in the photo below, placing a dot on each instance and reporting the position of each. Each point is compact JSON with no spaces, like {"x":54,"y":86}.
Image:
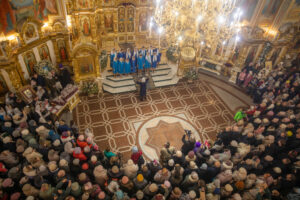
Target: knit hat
{"x":289,"y":133}
{"x":191,"y":154}
{"x":134,"y":149}
{"x":140,"y":177}
{"x":81,"y":137}
{"x":203,"y":166}
{"x":85,"y":166}
{"x":178,"y":154}
{"x":167,"y":184}
{"x":25,"y":132}
{"x":153,"y":188}
{"x":240,"y":185}
{"x":75,"y":186}
{"x":115,"y":169}
{"x":101,"y":195}
{"x":171,"y":162}
{"x":15,"y":196}
{"x":76,"y":161}
{"x":8,"y":182}
{"x":139,"y":194}
{"x":192,"y":194}
{"x":77,"y":150}
{"x":193,"y":165}
{"x":124,"y":180}
{"x":228,"y":188}
{"x":52,"y":166}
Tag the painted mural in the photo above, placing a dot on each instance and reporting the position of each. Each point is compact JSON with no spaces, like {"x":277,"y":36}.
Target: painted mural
{"x":14,"y":12}
{"x":30,"y":61}
{"x":109,"y":22}
{"x":44,"y":52}
{"x":62,"y":49}
{"x":85,"y":26}
{"x":248,"y":6}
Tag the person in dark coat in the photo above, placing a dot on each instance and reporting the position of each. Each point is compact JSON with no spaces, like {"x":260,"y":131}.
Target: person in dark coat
{"x":143,"y":90}
{"x":188,"y":145}
{"x":65,"y":76}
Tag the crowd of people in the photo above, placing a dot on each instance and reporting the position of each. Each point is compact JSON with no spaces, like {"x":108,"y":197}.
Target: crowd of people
{"x":136,"y":61}
{"x":256,"y":158}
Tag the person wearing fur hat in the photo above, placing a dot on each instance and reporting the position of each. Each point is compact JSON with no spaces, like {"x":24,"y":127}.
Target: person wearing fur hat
{"x":115,"y":172}
{"x":175,"y":194}
{"x":126,"y":185}
{"x":130,"y":169}
{"x":153,"y":167}
{"x":100,"y":175}
{"x":189,"y":181}
{"x":150,"y":190}
{"x":140,"y":182}
{"x":162,"y":175}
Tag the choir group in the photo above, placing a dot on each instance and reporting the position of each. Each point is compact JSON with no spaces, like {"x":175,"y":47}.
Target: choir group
{"x":132,"y":62}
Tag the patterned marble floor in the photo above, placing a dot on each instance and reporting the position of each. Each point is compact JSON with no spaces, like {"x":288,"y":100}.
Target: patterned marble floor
{"x":118,"y":120}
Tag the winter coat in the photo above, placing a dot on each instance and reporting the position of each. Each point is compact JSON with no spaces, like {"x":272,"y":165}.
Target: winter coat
{"x":130,"y":169}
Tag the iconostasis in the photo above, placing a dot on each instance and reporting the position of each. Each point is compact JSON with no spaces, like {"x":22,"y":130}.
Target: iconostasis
{"x":76,"y":32}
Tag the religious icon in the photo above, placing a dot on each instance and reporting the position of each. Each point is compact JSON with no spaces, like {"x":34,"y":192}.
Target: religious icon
{"x":121,"y":28}
{"x":143,"y":21}
{"x":130,"y":27}
{"x":86,"y":65}
{"x":251,"y":55}
{"x":108,"y":22}
{"x":86,"y":26}
{"x":130,"y":13}
{"x":62,"y":49}
{"x":44,"y":52}
{"x":30,"y":31}
{"x":3,"y":86}
{"x":30,"y":61}
{"x":121,"y":13}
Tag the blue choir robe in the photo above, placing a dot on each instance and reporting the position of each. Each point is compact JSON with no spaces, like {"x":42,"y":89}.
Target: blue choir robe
{"x":128,"y":55}
{"x":133,"y":65}
{"x":112,"y":55}
{"x":143,"y":52}
{"x":136,"y":54}
{"x":115,"y":66}
{"x":127,"y":67}
{"x":150,"y":51}
{"x":140,"y":62}
{"x":148,"y":62}
{"x":154,"y":61}
{"x":121,"y":67}
{"x":158,"y":54}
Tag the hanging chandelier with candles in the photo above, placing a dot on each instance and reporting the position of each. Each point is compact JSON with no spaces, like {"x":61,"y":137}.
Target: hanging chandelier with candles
{"x":197,"y":22}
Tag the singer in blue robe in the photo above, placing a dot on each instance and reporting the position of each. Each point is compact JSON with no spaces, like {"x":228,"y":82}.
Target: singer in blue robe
{"x":133,"y":64}
{"x":127,"y":66}
{"x":140,"y":62}
{"x":154,"y":60}
{"x":115,"y":66}
{"x":112,"y":55}
{"x":121,"y":66}
{"x":148,"y":61}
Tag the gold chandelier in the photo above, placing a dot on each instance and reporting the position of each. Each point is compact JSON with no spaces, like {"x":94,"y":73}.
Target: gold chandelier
{"x":198,"y":22}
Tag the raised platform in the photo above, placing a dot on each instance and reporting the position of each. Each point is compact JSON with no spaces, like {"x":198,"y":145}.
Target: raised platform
{"x":165,"y":75}
{"x":118,"y":84}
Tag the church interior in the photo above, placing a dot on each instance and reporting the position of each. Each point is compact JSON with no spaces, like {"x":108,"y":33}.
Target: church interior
{"x":150,"y":99}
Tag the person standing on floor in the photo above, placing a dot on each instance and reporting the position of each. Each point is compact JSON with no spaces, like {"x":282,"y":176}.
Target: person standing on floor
{"x":143,"y":88}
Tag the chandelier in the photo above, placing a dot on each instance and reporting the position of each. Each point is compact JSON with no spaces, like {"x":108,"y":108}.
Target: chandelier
{"x":198,"y":22}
